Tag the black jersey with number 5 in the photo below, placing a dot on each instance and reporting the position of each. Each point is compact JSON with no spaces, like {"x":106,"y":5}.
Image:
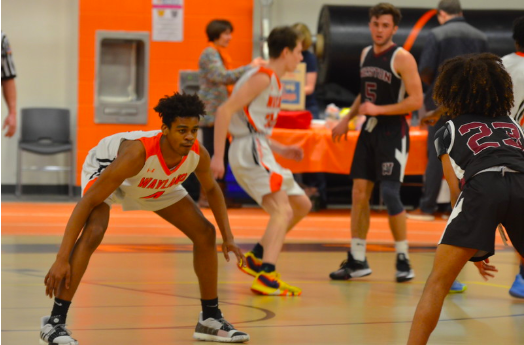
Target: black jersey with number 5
{"x":380,"y":84}
{"x":475,"y":143}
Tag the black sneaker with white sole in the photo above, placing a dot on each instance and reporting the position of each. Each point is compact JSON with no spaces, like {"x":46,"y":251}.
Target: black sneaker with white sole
{"x":404,"y":271}
{"x":219,"y":330}
{"x":351,"y":268}
{"x":55,"y":333}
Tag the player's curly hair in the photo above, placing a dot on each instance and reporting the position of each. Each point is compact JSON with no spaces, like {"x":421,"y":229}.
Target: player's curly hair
{"x":474,"y":84}
{"x":179,"y":105}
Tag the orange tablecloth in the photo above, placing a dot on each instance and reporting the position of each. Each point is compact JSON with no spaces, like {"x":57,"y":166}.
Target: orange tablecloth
{"x":321,"y":154}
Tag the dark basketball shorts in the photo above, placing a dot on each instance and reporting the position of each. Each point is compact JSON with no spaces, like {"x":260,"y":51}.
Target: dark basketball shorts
{"x":382,"y":151}
{"x":487,"y":199}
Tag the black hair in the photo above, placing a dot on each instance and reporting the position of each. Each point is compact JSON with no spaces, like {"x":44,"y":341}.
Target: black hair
{"x":474,"y":84}
{"x":450,"y":6}
{"x":518,"y":32}
{"x":179,"y":105}
{"x":280,"y":38}
{"x":216,"y":27}
{"x":385,"y":8}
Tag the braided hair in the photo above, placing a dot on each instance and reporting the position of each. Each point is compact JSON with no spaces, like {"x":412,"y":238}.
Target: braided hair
{"x":474,"y":84}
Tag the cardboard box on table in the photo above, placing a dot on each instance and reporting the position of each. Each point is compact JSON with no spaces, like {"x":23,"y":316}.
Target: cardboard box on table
{"x":293,"y":93}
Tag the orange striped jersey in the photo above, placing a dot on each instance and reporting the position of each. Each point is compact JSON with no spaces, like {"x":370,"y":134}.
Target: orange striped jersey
{"x":155,"y":179}
{"x":261,"y":114}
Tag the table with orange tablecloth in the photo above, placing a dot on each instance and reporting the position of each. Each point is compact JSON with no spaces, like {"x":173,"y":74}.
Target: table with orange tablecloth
{"x":321,"y":154}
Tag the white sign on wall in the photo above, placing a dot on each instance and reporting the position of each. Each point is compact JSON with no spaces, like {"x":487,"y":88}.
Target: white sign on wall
{"x":168,"y":20}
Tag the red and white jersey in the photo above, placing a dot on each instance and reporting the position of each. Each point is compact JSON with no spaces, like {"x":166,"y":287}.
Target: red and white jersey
{"x":259,"y":116}
{"x":154,"y":181}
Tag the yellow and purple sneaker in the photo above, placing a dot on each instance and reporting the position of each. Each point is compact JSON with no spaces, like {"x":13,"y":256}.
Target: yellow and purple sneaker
{"x":253,"y":264}
{"x":270,"y":284}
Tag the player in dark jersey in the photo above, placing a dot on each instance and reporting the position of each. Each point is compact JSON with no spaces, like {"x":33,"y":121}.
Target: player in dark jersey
{"x":387,"y":73}
{"x":482,"y":154}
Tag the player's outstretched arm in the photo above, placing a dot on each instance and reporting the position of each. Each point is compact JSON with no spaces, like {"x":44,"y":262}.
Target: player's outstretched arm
{"x":238,"y":100}
{"x":130,"y":160}
{"x":217,"y":205}
{"x":293,"y":152}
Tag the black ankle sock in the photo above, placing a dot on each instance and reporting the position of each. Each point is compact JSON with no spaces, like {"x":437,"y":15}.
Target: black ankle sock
{"x":522,"y":270}
{"x":258,"y":251}
{"x":59,"y":312}
{"x":210,"y":309}
{"x":267,"y":267}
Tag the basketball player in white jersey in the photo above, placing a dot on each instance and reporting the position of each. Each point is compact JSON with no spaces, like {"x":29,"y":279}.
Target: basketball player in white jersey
{"x":145,"y":171}
{"x":514,"y":64}
{"x":250,"y":115}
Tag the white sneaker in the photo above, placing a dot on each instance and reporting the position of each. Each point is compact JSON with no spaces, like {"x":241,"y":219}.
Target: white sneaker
{"x":57,"y":334}
{"x":218,"y":330}
{"x":419,"y":215}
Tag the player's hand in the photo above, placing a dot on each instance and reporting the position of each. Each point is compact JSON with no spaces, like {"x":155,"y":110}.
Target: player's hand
{"x":10,"y":124}
{"x":217,"y":167}
{"x":431,"y":118}
{"x":293,"y":152}
{"x":339,"y":131}
{"x":485,"y":269}
{"x":368,"y":108}
{"x":60,"y":270}
{"x":231,"y":246}
{"x":257,"y":62}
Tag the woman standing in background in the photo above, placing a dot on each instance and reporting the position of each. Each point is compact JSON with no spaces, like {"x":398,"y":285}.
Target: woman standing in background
{"x":216,"y":80}
{"x":311,"y":68}
{"x":314,"y":184}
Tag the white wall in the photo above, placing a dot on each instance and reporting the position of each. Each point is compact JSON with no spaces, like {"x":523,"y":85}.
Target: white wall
{"x":44,"y":40}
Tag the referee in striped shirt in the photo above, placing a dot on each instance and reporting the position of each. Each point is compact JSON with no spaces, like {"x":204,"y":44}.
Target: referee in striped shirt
{"x":8,"y":87}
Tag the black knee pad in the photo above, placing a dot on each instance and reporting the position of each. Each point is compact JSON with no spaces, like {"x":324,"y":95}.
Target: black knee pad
{"x":390,"y":191}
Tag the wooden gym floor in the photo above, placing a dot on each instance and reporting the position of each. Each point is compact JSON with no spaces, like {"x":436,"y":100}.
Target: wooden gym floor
{"x":140,"y":287}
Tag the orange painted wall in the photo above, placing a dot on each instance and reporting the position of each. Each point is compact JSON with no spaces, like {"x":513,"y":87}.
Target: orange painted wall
{"x":166,"y":58}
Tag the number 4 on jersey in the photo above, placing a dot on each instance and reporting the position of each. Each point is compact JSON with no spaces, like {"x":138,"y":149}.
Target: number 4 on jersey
{"x":154,"y":195}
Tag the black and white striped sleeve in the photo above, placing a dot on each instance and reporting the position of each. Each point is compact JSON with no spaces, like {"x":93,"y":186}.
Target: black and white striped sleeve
{"x":8,"y":66}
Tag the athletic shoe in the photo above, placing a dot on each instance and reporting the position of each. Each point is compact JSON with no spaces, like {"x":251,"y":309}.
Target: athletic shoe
{"x":517,"y":289}
{"x":253,"y":264}
{"x":57,"y":334}
{"x":404,"y":271}
{"x":220,"y":330}
{"x":270,"y":284}
{"x":351,"y":268}
{"x":457,"y":287}
{"x":419,"y":215}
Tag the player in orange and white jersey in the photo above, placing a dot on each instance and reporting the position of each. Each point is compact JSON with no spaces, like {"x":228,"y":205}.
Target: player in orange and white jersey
{"x":514,"y":64}
{"x":144,"y":171}
{"x":250,"y":115}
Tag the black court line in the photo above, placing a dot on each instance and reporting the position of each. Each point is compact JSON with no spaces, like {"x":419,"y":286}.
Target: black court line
{"x":124,"y":248}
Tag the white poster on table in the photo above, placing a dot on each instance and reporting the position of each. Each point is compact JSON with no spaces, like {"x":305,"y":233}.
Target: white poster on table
{"x":168,"y":20}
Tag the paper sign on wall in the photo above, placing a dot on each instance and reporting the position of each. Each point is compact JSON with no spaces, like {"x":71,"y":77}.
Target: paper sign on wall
{"x":168,"y":20}
{"x":293,"y":92}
